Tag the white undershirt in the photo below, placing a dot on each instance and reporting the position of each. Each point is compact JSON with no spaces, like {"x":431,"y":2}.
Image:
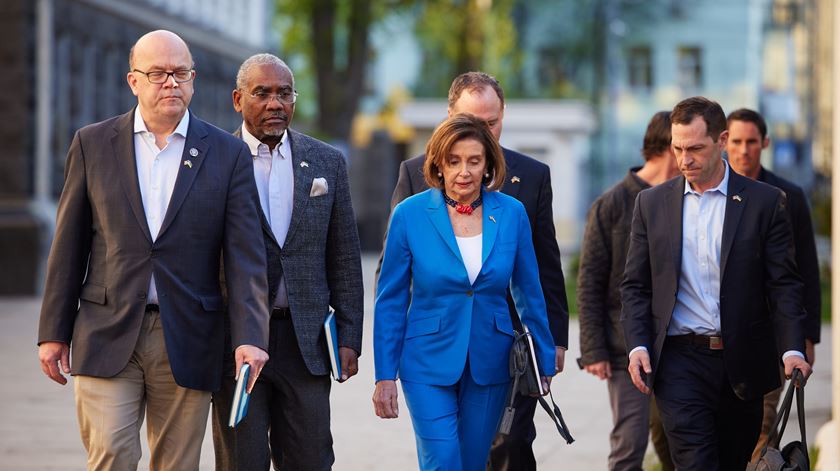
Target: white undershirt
{"x":157,"y":170}
{"x":470,"y":248}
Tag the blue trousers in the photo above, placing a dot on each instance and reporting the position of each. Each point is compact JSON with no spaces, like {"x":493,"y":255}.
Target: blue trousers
{"x":454,"y":425}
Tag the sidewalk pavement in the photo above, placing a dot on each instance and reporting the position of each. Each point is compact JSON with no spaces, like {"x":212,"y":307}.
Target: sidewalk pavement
{"x":38,"y":430}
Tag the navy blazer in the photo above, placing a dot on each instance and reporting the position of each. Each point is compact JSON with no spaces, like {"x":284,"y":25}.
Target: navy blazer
{"x":806,"y":249}
{"x":429,"y":320}
{"x":103,"y":256}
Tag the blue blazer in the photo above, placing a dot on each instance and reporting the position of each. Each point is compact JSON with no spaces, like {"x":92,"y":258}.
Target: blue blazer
{"x":429,"y":319}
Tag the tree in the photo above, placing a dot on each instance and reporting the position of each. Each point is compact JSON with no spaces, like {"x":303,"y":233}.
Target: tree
{"x":463,"y":35}
{"x":333,"y":38}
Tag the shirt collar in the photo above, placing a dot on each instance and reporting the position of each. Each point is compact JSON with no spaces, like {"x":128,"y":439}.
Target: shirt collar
{"x":254,"y":143}
{"x":721,"y":187}
{"x":181,"y":129}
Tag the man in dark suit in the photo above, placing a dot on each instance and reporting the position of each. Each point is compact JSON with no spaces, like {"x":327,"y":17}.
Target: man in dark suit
{"x":314,"y":262}
{"x":747,"y":138}
{"x":151,"y":200}
{"x":529,"y":181}
{"x":710,"y":282}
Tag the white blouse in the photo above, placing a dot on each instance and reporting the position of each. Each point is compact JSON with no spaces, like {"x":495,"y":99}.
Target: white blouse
{"x":470,"y":248}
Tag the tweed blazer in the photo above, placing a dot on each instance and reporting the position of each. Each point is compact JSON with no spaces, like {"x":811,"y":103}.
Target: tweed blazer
{"x":321,"y":256}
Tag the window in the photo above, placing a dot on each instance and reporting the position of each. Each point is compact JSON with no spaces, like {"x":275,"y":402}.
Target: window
{"x":640,"y":68}
{"x":690,"y":68}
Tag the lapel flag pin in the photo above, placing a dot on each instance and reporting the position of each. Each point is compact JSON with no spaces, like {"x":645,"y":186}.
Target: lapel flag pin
{"x":514,"y":179}
{"x":193,"y":152}
{"x":304,"y":163}
{"x":188,"y":163}
{"x":737,"y":198}
{"x":492,"y":219}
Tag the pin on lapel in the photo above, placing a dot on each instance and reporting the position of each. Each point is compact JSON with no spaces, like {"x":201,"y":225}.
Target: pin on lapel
{"x":304,"y":163}
{"x":514,"y":179}
{"x":492,"y":219}
{"x":193,"y":152}
{"x":737,"y":198}
{"x":188,"y":163}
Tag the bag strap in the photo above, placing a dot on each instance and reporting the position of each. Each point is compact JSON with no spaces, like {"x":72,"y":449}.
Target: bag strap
{"x":517,"y":370}
{"x":776,"y":432}
{"x":556,"y":417}
{"x":800,"y":407}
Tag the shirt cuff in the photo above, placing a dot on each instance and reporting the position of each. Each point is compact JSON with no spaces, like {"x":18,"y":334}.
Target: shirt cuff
{"x":792,"y":353}
{"x":640,"y":347}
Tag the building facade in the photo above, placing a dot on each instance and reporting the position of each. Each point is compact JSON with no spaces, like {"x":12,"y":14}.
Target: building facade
{"x":66,"y":63}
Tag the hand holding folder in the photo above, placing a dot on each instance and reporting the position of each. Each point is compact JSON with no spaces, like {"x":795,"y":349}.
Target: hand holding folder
{"x":239,"y":406}
{"x":331,"y":334}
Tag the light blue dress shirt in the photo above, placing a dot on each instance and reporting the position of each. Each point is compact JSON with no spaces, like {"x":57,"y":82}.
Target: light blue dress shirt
{"x":697,"y":308}
{"x":274,"y":176}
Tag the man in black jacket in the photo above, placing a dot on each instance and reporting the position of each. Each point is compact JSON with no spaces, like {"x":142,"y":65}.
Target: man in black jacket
{"x":529,"y":181}
{"x":603,"y":255}
{"x":747,"y":138}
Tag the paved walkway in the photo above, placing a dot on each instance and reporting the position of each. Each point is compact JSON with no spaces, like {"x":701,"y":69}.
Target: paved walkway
{"x":38,"y":429}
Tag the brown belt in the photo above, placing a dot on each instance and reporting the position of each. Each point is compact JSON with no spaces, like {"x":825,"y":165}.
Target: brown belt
{"x":712,"y":342}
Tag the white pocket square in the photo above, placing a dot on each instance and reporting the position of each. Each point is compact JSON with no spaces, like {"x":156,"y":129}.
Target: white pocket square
{"x":319,"y":187}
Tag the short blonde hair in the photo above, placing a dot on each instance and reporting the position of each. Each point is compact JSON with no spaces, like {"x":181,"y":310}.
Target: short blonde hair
{"x":458,"y":127}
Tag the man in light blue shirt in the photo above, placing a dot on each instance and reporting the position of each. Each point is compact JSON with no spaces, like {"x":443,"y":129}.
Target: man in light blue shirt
{"x":710,"y":283}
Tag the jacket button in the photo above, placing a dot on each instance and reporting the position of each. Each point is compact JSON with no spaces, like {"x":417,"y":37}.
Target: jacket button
{"x":141,"y":294}
{"x":469,"y":293}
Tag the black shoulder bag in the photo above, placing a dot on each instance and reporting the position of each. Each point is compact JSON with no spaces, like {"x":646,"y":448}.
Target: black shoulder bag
{"x":526,"y":381}
{"x":794,"y":455}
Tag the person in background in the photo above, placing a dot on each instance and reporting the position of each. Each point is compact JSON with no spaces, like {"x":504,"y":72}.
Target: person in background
{"x":747,"y":138}
{"x":602,"y":260}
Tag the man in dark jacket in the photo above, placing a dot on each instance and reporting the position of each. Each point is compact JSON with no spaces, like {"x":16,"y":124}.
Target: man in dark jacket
{"x":747,"y":138}
{"x":603,"y":352}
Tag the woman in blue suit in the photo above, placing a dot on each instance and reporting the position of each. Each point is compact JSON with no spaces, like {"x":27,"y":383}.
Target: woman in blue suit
{"x":442,"y":323}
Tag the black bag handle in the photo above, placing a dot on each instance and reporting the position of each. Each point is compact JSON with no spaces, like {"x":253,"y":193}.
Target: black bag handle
{"x":519,"y":358}
{"x":557,"y":417}
{"x":776,"y":432}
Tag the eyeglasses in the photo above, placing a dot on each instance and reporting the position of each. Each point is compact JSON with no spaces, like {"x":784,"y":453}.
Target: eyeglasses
{"x":160,"y":76}
{"x":288,"y":97}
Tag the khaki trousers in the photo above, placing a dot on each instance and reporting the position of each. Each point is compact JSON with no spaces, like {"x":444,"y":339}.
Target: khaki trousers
{"x":111,"y":410}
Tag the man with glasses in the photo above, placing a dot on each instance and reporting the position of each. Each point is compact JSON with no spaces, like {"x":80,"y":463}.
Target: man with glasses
{"x":314,"y":263}
{"x":152,"y":200}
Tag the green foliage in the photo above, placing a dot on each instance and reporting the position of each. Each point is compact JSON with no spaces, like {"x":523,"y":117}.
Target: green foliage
{"x":457,"y":36}
{"x":294,"y":27}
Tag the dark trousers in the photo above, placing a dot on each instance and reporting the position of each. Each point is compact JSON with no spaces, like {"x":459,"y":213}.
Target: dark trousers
{"x":513,"y":452}
{"x":659,"y":439}
{"x":708,"y":427}
{"x":288,"y":420}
